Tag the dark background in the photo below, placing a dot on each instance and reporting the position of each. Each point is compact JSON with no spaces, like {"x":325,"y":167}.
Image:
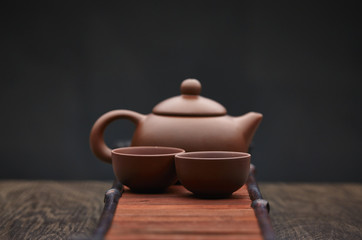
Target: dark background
{"x":64,"y":63}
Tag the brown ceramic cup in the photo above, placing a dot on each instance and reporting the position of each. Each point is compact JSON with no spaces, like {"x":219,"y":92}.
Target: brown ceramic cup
{"x":145,"y":169}
{"x":212,"y":174}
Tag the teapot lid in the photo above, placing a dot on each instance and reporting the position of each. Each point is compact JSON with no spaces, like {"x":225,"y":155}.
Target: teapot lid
{"x":189,"y":103}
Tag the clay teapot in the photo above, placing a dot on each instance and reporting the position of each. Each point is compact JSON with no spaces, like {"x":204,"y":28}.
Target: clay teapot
{"x":188,"y":121}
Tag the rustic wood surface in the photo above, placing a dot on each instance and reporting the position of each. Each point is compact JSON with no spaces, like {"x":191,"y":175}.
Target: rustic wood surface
{"x":177,"y":214}
{"x":59,"y":210}
{"x":315,"y":211}
{"x":49,"y":209}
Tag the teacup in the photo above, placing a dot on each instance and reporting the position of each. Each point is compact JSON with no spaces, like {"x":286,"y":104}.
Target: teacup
{"x":212,"y":174}
{"x":146,"y":169}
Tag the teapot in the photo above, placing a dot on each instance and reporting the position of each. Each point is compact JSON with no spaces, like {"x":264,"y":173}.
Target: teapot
{"x":188,"y":121}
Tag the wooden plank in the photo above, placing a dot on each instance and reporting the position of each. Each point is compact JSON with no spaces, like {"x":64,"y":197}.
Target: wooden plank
{"x":183,"y":237}
{"x":177,"y":214}
{"x":315,"y":210}
{"x":49,"y":209}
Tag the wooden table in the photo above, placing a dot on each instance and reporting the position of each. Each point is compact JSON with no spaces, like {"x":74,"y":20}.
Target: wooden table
{"x":64,"y":209}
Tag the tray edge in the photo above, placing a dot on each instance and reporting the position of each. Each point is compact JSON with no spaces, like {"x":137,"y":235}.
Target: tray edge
{"x":261,"y":206}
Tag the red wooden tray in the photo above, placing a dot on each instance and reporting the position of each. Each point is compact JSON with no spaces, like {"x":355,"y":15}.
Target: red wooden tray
{"x":177,"y":214}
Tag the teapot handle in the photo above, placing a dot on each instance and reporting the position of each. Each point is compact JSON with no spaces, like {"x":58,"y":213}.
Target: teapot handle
{"x":96,"y":138}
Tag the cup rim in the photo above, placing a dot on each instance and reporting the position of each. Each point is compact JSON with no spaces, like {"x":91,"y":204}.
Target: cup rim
{"x":118,"y":151}
{"x":190,"y":155}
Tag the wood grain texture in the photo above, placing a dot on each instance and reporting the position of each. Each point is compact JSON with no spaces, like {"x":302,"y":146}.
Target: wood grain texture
{"x":177,"y":214}
{"x":58,"y":210}
{"x":48,"y":209}
{"x":315,"y":211}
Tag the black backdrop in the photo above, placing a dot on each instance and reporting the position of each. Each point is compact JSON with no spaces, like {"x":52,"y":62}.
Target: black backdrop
{"x":64,"y":63}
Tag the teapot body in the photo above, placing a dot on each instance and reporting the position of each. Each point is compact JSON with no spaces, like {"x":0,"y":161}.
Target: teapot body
{"x":188,"y":121}
{"x":190,"y":133}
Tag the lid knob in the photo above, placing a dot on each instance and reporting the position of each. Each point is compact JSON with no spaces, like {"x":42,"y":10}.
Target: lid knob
{"x":191,"y":86}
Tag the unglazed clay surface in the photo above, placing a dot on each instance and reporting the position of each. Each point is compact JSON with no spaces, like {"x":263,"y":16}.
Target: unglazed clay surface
{"x":145,"y":169}
{"x":188,"y":121}
{"x":212,"y":173}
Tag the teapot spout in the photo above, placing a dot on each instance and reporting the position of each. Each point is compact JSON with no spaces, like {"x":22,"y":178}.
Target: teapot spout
{"x":248,"y":123}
